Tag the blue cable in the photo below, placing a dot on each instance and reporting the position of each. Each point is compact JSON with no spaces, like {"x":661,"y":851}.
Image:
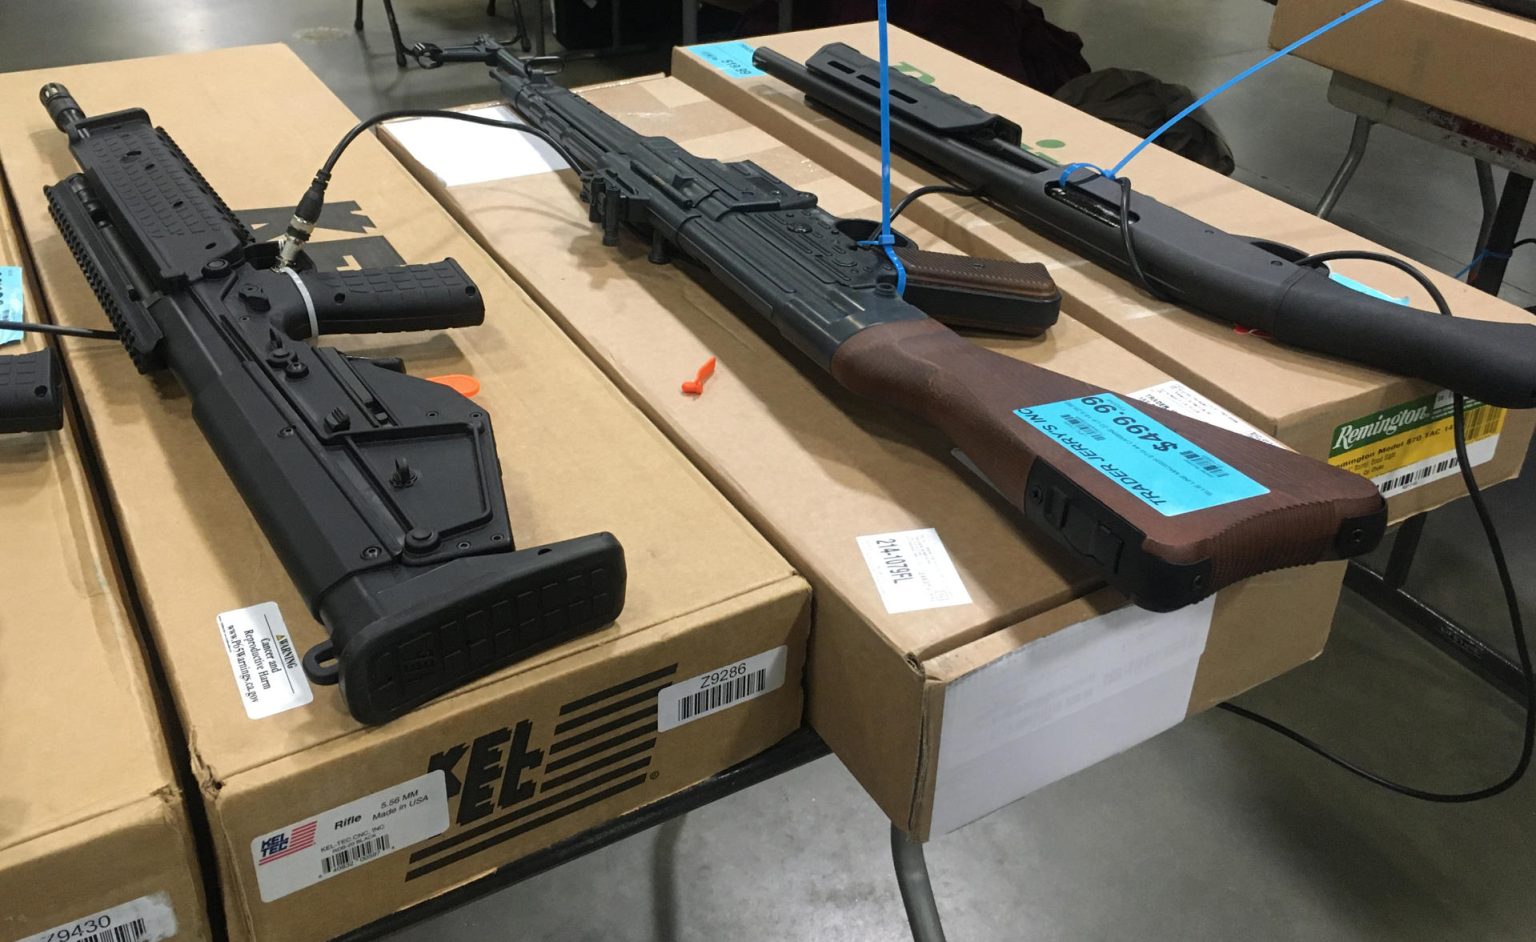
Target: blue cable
{"x":1485,"y":253}
{"x":1111,"y":173}
{"x":887,"y":241}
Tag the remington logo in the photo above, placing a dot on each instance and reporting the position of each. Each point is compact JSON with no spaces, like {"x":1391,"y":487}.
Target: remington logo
{"x":1381,"y":425}
{"x":516,"y":777}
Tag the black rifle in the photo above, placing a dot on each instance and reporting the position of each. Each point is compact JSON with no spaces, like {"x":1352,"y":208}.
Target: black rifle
{"x":835,"y":299}
{"x":1250,"y":282}
{"x":380,"y":492}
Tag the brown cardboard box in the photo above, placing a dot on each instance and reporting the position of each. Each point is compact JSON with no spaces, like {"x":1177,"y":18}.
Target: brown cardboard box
{"x":94,"y":832}
{"x":1457,"y":56}
{"x":553,"y":746}
{"x":1024,"y":672}
{"x":1318,"y":405}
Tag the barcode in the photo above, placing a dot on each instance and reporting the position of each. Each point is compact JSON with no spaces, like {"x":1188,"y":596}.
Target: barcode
{"x":127,"y":932}
{"x":354,"y":855}
{"x":1086,"y":428}
{"x":1205,"y":463}
{"x":721,"y":695}
{"x":1483,"y":420}
{"x":1420,"y":473}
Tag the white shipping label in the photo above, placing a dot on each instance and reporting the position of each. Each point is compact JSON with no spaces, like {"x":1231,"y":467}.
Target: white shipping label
{"x":146,"y":919}
{"x":717,"y":690}
{"x":332,"y":842}
{"x":269,"y":673}
{"x":912,"y":570}
{"x":1177,"y":397}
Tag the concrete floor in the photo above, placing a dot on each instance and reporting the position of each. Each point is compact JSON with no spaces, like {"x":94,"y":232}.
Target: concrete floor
{"x":1216,"y":830}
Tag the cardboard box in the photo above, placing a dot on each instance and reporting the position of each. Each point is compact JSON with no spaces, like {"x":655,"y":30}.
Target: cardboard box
{"x":531,"y":755}
{"x":1016,"y":668}
{"x":1393,"y":430}
{"x":1454,"y":55}
{"x":94,"y":832}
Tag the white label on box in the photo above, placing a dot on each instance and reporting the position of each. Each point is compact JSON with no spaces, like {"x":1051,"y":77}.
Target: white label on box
{"x":1177,"y":397}
{"x":913,"y":571}
{"x":146,"y":919}
{"x":332,"y":842}
{"x":1062,"y":703}
{"x":717,"y":690}
{"x":269,"y":673}
{"x":459,"y":153}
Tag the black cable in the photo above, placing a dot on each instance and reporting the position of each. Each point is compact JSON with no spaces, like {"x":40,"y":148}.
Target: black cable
{"x":1127,"y":239}
{"x":929,"y":190}
{"x":58,"y":330}
{"x":1475,"y":494}
{"x":366,"y":123}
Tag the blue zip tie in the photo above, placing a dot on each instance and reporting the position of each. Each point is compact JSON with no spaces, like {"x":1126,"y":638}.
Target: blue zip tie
{"x":1477,"y":260}
{"x":887,"y":241}
{"x":1113,"y":172}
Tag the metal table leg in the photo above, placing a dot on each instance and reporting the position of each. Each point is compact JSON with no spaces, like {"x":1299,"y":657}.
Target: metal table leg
{"x":538,"y":27}
{"x":1490,"y":198}
{"x":1489,"y":274}
{"x":690,"y":22}
{"x":1357,"y":141}
{"x":916,"y":888}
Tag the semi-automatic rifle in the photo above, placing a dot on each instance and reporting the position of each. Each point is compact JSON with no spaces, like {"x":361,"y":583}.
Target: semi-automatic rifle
{"x":1251,"y":282}
{"x":380,"y":492}
{"x":1167,"y":508}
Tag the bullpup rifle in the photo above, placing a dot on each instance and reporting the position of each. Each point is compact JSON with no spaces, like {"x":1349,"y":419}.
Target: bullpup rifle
{"x":380,"y":492}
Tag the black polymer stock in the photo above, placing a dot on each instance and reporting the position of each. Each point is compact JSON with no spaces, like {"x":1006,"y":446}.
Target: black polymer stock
{"x":834,"y":298}
{"x":1239,"y":280}
{"x":380,"y":492}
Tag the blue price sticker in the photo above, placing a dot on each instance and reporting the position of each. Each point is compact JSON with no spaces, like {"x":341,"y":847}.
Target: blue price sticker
{"x":1162,"y":468}
{"x":11,"y":307}
{"x":732,"y":58}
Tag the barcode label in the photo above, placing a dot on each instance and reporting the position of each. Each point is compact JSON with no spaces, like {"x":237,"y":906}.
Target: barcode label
{"x":354,"y":855}
{"x":146,"y":919}
{"x":361,"y":831}
{"x":722,"y":696}
{"x":1433,"y":469}
{"x":718,"y":690}
{"x":1205,"y":463}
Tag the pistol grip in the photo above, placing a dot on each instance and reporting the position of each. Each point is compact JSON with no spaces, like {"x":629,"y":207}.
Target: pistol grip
{"x":395,"y":650}
{"x":30,"y":398}
{"x":997,"y":295}
{"x":389,"y":300}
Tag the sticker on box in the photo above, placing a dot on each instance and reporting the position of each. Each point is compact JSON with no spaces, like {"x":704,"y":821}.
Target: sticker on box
{"x":1177,"y":397}
{"x":269,"y":673}
{"x":1413,"y":444}
{"x":912,"y":571}
{"x":720,"y":689}
{"x":1157,"y":465}
{"x":12,"y":306}
{"x":732,"y":58}
{"x":146,"y":919}
{"x":348,"y":836}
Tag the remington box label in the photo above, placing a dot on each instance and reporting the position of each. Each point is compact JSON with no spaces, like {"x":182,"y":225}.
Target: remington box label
{"x":1412,"y":444}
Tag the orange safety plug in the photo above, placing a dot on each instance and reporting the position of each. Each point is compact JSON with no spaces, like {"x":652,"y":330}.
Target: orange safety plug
{"x":695,"y":386}
{"x":459,"y":383}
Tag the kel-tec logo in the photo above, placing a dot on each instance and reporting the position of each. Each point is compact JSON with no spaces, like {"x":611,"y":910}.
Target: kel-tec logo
{"x":291,"y":841}
{"x":504,"y":783}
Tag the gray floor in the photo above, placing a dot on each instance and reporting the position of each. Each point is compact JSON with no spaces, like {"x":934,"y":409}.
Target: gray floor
{"x":1214,"y":831}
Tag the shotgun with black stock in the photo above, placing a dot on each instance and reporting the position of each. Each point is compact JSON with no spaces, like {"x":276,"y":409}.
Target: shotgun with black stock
{"x":1167,"y":508}
{"x":1251,"y":282}
{"x":380,"y":492}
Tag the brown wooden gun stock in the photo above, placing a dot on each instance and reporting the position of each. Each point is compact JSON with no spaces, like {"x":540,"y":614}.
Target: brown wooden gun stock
{"x":1312,"y":511}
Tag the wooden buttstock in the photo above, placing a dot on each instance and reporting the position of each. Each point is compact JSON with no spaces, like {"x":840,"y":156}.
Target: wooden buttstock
{"x":1088,"y":499}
